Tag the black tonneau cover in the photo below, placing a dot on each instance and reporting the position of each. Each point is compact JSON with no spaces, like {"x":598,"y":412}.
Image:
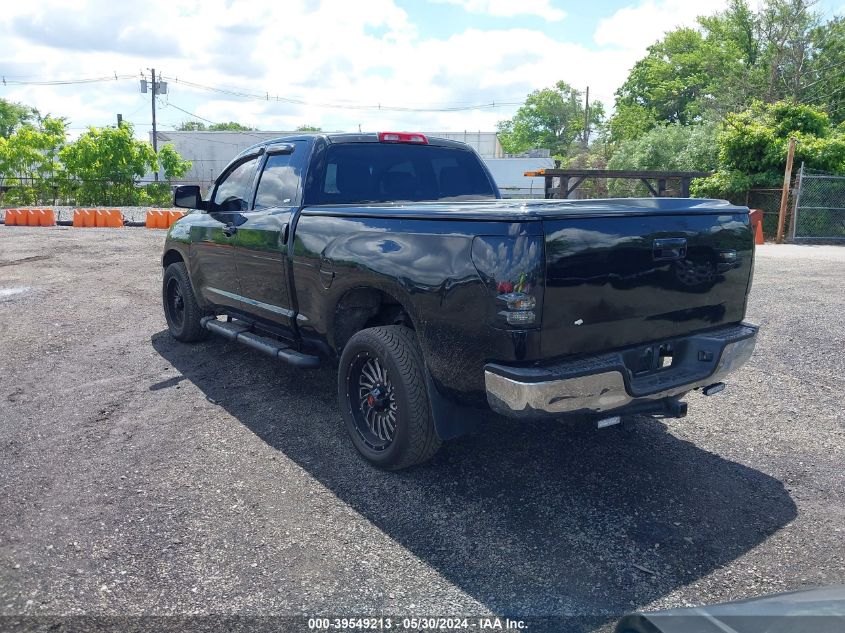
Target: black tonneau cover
{"x":526,"y":210}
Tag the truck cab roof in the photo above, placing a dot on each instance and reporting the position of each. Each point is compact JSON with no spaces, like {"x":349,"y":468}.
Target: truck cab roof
{"x":334,"y":138}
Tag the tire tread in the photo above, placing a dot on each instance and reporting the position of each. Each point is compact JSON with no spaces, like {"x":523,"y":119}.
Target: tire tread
{"x":192,"y":329}
{"x":400,"y":342}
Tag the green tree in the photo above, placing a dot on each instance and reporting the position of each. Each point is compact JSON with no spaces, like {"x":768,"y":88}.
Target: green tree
{"x":752,"y":147}
{"x":552,"y":118}
{"x":13,"y":116}
{"x":230,"y":126}
{"x":199,"y":126}
{"x":105,"y":165}
{"x":670,"y":147}
{"x":172,"y":167}
{"x":29,"y":161}
{"x":309,"y":128}
{"x":668,"y":85}
{"x":780,"y":51}
{"x":827,"y":88}
{"x":191,"y":126}
{"x":171,"y":163}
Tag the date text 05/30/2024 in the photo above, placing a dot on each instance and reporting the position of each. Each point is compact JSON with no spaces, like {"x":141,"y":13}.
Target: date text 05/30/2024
{"x":415,"y":624}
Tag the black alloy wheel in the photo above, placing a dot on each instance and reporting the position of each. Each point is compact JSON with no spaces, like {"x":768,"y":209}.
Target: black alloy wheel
{"x":376,"y":410}
{"x":383,"y":397}
{"x":183,"y":314}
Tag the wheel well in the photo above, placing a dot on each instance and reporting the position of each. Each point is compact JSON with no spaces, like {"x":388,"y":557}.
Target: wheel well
{"x":361,"y":308}
{"x":171,"y":257}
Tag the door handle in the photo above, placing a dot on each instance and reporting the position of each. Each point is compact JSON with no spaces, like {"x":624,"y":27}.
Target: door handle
{"x":229,"y":230}
{"x":669,"y":248}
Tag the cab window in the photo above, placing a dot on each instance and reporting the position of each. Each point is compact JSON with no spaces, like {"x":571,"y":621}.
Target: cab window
{"x":232,"y":193}
{"x":379,"y":172}
{"x":278,"y":183}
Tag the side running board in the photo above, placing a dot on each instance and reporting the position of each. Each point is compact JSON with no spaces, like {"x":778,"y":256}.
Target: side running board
{"x":241,"y":333}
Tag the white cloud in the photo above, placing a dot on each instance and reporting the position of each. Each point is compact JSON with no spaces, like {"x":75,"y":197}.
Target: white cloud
{"x":326,"y":53}
{"x":638,"y":26}
{"x":510,"y":8}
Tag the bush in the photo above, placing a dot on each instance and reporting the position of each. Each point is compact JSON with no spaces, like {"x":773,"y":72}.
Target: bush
{"x":753,"y":146}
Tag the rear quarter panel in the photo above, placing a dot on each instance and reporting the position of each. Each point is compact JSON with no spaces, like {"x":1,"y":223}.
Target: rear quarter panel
{"x":426,"y":266}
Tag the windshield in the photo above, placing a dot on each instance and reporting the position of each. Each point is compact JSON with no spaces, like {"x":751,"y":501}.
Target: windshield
{"x":379,"y":172}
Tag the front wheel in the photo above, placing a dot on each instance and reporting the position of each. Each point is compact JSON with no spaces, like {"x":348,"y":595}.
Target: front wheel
{"x":383,"y":398}
{"x":181,"y":310}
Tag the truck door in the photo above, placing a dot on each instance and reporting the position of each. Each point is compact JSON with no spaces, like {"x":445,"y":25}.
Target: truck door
{"x":213,"y":239}
{"x":261,"y":251}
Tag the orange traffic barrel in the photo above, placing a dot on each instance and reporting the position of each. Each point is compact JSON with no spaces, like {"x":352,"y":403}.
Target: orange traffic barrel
{"x":756,"y":218}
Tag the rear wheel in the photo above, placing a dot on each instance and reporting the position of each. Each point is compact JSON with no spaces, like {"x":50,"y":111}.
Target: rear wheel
{"x":181,"y":310}
{"x":383,"y":398}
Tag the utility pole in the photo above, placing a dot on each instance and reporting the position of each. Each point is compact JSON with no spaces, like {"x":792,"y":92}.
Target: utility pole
{"x":587,"y":118}
{"x":784,"y":196}
{"x":155,"y":136}
{"x":119,"y":120}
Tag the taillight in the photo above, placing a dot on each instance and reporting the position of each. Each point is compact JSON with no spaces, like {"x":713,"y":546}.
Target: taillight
{"x":512,"y":270}
{"x":402,"y":137}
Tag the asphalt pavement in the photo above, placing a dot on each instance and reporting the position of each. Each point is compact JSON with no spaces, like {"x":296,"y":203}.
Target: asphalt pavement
{"x":142,"y":476}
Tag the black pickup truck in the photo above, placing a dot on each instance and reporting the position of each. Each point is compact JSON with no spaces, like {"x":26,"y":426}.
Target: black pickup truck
{"x":394,"y":255}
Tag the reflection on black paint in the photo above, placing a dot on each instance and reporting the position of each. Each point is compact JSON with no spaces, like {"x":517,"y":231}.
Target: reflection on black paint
{"x":605,"y":287}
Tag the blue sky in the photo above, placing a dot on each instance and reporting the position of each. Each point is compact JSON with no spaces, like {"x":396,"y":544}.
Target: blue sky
{"x":445,"y":19}
{"x":380,"y":64}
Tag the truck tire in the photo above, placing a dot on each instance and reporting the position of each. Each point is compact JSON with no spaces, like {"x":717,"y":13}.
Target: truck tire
{"x":382,"y":393}
{"x":181,"y":310}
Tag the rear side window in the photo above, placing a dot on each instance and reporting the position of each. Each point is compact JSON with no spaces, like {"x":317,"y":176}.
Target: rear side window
{"x":278,"y":183}
{"x":380,"y":172}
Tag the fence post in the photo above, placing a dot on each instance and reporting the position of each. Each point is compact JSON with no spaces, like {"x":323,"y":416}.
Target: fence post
{"x":794,"y":220}
{"x":784,"y":196}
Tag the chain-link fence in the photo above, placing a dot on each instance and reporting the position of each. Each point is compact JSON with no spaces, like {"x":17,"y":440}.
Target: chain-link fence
{"x":767,"y":200}
{"x":819,"y":211}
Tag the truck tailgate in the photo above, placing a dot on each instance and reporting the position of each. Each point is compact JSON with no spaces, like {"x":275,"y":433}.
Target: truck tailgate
{"x":621,"y":280}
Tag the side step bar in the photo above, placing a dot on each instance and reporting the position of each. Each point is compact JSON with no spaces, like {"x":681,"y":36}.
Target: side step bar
{"x":240,"y":332}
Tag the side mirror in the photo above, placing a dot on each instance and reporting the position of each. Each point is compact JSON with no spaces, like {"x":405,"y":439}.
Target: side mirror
{"x":188,"y":197}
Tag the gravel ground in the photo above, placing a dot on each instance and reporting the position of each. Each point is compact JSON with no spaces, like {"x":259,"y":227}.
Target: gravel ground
{"x":141,"y":476}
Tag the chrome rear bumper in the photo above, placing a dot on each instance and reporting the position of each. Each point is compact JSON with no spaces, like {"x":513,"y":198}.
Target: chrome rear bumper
{"x":609,"y":382}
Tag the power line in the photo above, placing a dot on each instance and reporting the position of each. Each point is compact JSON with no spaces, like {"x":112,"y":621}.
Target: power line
{"x":196,"y":116}
{"x":190,"y":114}
{"x":65,"y":82}
{"x":266,"y":96}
